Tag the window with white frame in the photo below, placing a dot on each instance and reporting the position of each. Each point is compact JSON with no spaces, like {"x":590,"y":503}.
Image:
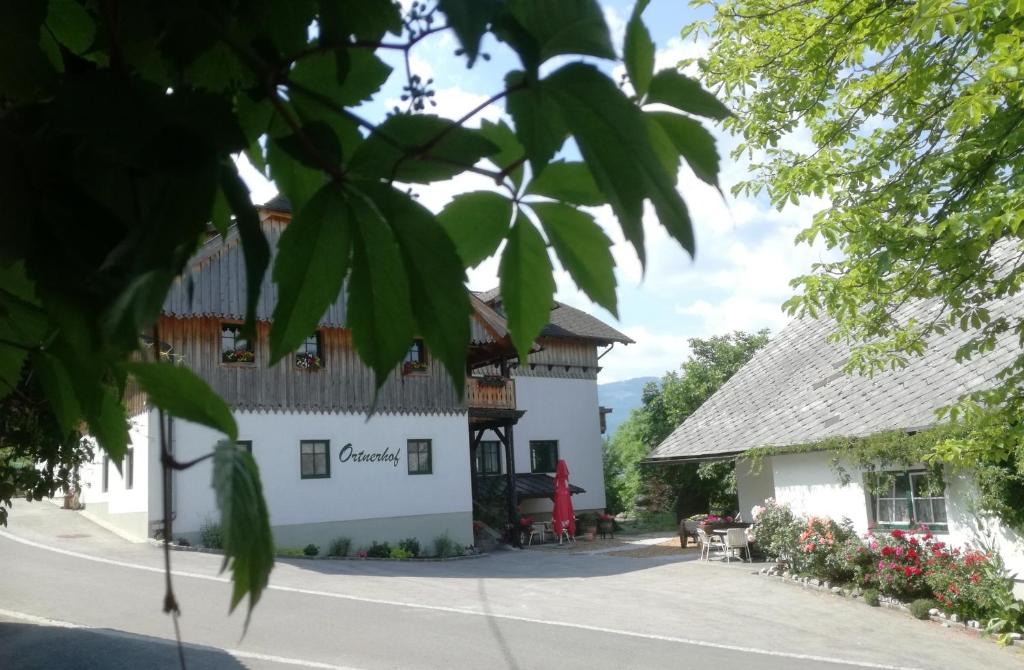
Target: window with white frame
{"x":909,"y":499}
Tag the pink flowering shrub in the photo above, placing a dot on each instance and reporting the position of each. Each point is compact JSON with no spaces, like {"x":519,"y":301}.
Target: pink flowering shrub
{"x":901,"y":564}
{"x":968,"y":582}
{"x":821,"y":548}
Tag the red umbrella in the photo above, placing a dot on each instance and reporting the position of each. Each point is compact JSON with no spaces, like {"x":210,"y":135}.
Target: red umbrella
{"x":562,"y":516}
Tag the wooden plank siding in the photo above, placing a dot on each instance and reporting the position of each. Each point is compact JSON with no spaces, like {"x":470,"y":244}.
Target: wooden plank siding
{"x":562,"y":358}
{"x":344,"y":384}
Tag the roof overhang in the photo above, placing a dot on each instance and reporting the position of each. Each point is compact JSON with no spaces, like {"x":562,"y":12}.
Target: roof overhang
{"x":693,"y":458}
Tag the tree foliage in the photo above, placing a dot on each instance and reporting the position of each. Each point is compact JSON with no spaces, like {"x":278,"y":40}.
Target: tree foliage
{"x":914,"y":114}
{"x":119,"y":128}
{"x":690,"y":487}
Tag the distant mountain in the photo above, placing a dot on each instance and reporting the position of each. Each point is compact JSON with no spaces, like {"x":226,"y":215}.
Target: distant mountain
{"x":623,"y":397}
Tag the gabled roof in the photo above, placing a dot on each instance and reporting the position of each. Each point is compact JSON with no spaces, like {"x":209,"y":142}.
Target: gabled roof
{"x":794,"y":390}
{"x":568,"y":322}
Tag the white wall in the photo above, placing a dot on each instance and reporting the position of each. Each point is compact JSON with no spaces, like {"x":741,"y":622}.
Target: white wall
{"x":808,"y":484}
{"x":125,"y":508}
{"x":565,"y":410}
{"x":354,"y":490}
{"x":753,"y":485}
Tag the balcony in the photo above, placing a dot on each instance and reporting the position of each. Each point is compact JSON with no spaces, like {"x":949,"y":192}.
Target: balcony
{"x":490,"y":392}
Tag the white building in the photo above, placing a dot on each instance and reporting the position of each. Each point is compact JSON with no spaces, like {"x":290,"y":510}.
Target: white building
{"x":410,"y":470}
{"x":794,"y":393}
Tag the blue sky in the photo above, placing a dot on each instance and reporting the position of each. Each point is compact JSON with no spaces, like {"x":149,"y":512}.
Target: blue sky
{"x":745,"y":251}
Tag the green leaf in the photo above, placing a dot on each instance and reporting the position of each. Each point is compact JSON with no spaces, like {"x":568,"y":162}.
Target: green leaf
{"x":378,"y":294}
{"x":255,"y":248}
{"x":437,"y":282}
{"x":638,"y":51}
{"x":297,"y":181}
{"x":538,"y":120}
{"x":693,"y":142}
{"x":677,"y":90}
{"x":11,"y":361}
{"x":607,"y":127}
{"x":27,"y":72}
{"x":244,"y":523}
{"x":320,"y":138}
{"x":181,"y":392}
{"x":527,"y":285}
{"x":662,"y":145}
{"x":60,"y":392}
{"x":319,"y":73}
{"x":367,"y":20}
{"x":564,"y":27}
{"x":584,"y":250}
{"x":570,"y":182}
{"x":477,"y":223}
{"x":469,"y":19}
{"x":311,"y":264}
{"x":71,"y":24}
{"x":428,"y":149}
{"x":510,"y":150}
{"x":107,"y":422}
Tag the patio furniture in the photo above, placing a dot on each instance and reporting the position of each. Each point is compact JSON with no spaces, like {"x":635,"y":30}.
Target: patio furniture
{"x":736,"y":540}
{"x":709,"y":542}
{"x":537,"y":529}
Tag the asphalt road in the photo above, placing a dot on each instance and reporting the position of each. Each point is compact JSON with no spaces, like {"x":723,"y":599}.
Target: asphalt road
{"x":66,"y":604}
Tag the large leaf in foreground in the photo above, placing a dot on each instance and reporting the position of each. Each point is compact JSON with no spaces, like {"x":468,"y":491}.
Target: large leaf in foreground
{"x":181,"y":392}
{"x":562,"y":27}
{"x":638,"y":51}
{"x":476,"y":222}
{"x":437,"y":281}
{"x":584,"y":250}
{"x":312,"y":260}
{"x":677,"y":90}
{"x":244,"y":523}
{"x":571,"y":182}
{"x":614,"y":141}
{"x":693,"y":142}
{"x":378,"y":293}
{"x":527,"y":284}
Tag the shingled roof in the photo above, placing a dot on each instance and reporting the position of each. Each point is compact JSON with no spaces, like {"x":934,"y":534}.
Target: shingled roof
{"x":568,"y":322}
{"x":794,"y":391}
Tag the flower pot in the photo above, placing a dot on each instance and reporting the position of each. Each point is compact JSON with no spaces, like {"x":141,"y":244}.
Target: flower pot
{"x":589,"y":532}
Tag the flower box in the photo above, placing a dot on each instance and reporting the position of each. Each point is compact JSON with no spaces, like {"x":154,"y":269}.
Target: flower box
{"x":238,"y":356}
{"x":305,"y":361}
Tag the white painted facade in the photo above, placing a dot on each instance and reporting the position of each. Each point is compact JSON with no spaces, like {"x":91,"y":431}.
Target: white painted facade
{"x":566,"y":411}
{"x":810,"y":486}
{"x":122,"y":507}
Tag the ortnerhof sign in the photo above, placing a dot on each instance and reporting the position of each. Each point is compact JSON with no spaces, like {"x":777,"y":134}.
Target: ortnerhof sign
{"x":347,"y":453}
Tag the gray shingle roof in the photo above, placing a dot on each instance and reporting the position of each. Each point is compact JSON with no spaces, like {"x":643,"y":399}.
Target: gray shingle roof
{"x":794,"y":391}
{"x":569,"y":322}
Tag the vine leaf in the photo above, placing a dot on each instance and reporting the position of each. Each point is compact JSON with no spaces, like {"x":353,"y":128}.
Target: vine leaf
{"x":181,"y":392}
{"x":638,"y":51}
{"x":244,"y":522}
{"x":527,"y":284}
{"x":693,"y":142}
{"x":312,"y":261}
{"x":677,"y":90}
{"x":571,"y":182}
{"x":584,"y":250}
{"x":477,"y":223}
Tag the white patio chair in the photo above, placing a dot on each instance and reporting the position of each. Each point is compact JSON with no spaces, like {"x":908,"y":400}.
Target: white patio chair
{"x":736,"y":540}
{"x":709,"y":542}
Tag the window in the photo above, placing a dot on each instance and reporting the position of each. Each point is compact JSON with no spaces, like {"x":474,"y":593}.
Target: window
{"x":244,"y":445}
{"x":105,"y":481}
{"x":129,"y":469}
{"x":543,"y":455}
{"x":415,"y":358}
{"x":314,"y":459}
{"x":488,"y":458}
{"x":419,"y":457}
{"x":233,"y":347}
{"x":308,"y":356}
{"x":908,"y":499}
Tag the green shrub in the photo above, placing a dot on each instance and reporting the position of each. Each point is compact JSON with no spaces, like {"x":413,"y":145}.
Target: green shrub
{"x":446,"y":547}
{"x":823,"y":551}
{"x":871,"y":597}
{"x":777,"y":532}
{"x":290,"y":552}
{"x":410,"y":545}
{"x":311,"y":550}
{"x":382,"y":550}
{"x":399,"y":552}
{"x":339,"y":546}
{"x":210,"y":535}
{"x":921,"y":607}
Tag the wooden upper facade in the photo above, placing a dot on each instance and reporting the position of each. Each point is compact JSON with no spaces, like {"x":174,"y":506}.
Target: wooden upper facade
{"x":207,"y":304}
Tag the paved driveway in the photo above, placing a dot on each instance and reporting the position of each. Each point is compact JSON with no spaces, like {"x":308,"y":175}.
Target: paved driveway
{"x":513,"y":609}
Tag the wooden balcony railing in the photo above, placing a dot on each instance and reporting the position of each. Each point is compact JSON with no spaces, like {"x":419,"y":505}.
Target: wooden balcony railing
{"x":490,"y":392}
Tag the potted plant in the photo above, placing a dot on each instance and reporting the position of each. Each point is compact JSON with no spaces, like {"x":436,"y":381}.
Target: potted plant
{"x":606,"y":525}
{"x":588,"y":522}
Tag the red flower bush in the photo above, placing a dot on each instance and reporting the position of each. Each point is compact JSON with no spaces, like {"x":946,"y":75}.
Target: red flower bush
{"x":901,"y":565}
